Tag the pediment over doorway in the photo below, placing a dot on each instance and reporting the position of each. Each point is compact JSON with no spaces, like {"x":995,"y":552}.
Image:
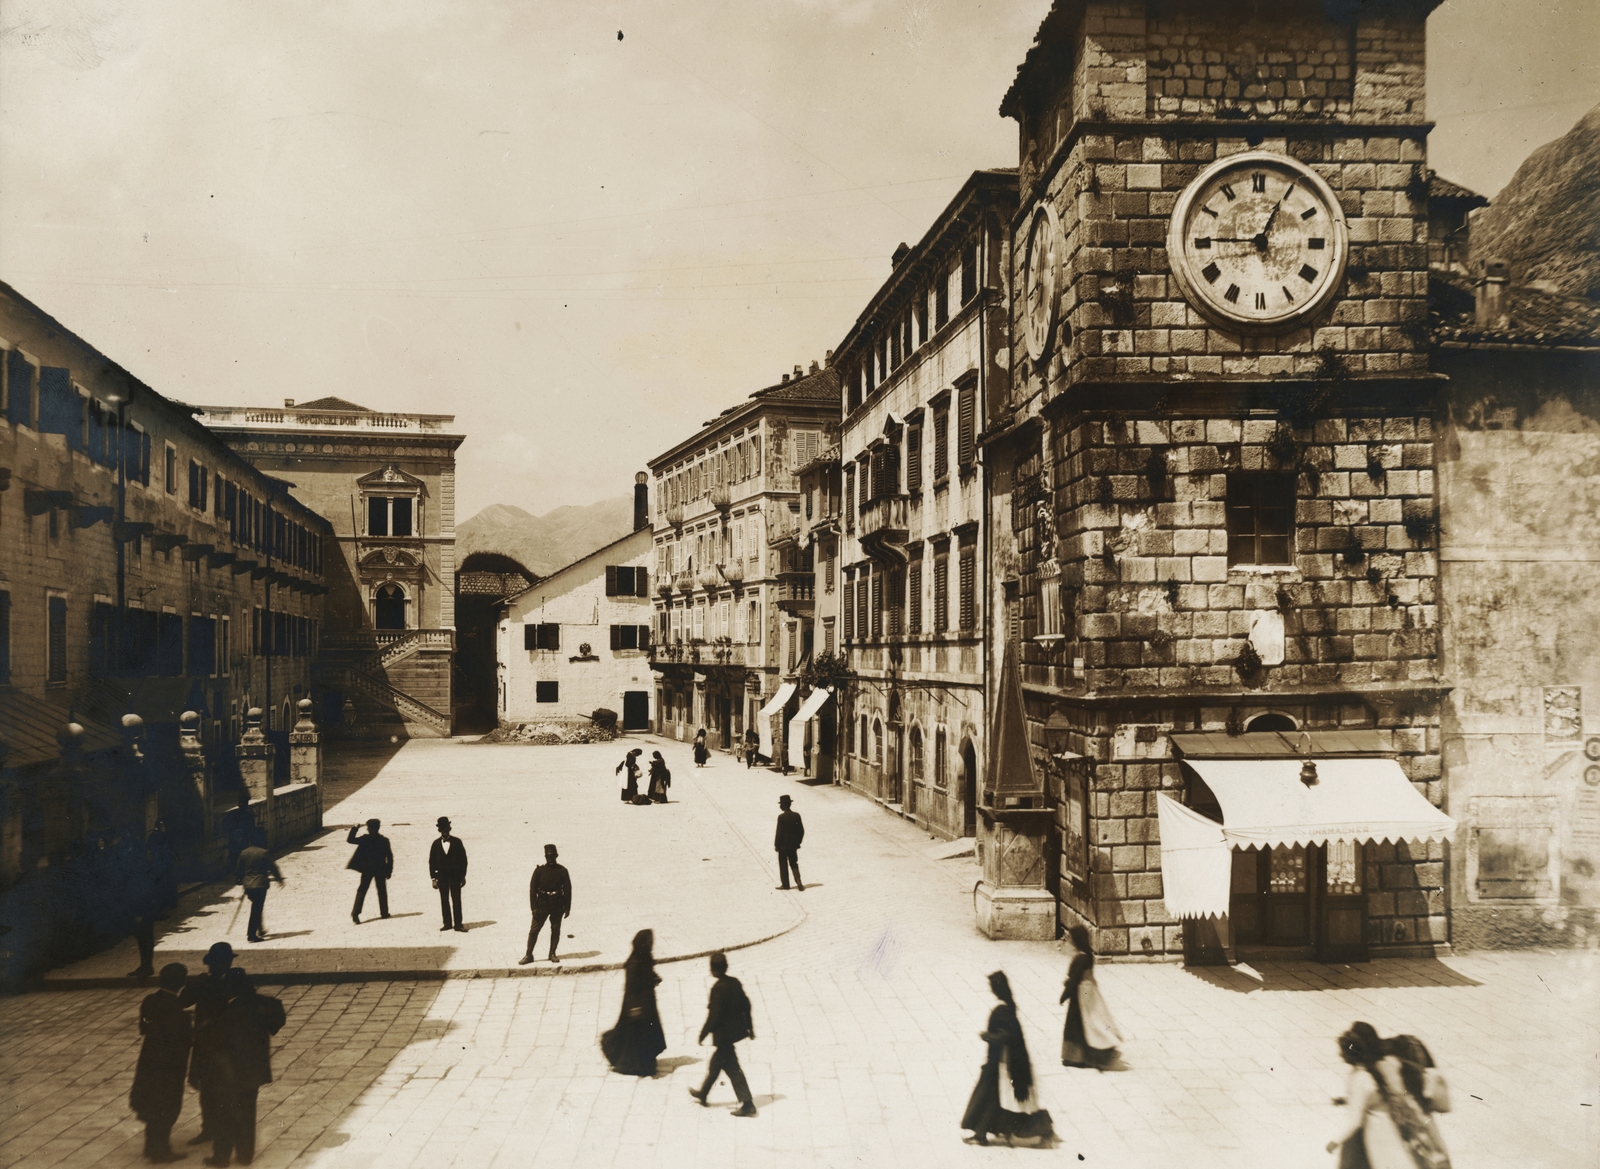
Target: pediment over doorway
{"x":391,"y":477}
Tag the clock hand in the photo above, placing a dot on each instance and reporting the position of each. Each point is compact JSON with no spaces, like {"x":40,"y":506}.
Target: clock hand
{"x":1260,"y":238}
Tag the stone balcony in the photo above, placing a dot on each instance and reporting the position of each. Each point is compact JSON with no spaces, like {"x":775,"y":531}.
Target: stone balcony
{"x":721,"y":498}
{"x":796,"y":593}
{"x":732,"y":572}
{"x":883,"y":521}
{"x":674,"y":514}
{"x":683,"y":581}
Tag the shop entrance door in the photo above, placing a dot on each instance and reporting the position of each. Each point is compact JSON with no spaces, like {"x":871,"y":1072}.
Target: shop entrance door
{"x":1342,"y":917}
{"x":1300,"y":901}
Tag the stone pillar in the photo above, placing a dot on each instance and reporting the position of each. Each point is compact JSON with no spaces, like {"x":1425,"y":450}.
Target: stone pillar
{"x":1012,"y":899}
{"x":255,"y":756}
{"x":199,"y":778}
{"x":305,"y":753}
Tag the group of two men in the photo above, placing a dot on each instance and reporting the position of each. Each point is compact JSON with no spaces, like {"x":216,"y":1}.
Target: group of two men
{"x":225,"y":1049}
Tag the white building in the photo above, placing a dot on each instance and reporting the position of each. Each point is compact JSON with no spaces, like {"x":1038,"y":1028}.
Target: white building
{"x":579,"y":639}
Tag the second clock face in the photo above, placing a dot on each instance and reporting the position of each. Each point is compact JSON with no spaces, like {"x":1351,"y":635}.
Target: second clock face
{"x":1258,"y":241}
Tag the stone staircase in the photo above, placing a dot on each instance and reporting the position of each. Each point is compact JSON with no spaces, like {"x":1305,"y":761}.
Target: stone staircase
{"x":398,"y":681}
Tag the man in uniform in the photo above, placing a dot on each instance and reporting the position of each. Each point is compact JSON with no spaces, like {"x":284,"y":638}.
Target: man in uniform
{"x":550,"y":897}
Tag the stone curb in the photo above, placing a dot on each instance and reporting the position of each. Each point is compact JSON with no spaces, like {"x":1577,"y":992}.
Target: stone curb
{"x":328,"y":977}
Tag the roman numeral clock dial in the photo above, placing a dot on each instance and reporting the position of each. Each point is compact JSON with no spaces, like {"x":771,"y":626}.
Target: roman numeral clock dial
{"x":1257,"y":242}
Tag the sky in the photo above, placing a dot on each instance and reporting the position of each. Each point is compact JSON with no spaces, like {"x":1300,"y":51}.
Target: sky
{"x":582,"y":228}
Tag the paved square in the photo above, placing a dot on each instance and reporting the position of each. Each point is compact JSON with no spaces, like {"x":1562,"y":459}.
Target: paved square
{"x":866,"y":1011}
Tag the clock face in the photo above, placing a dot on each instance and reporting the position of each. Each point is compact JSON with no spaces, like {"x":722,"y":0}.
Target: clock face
{"x":1258,"y":241}
{"x":1040,"y":282}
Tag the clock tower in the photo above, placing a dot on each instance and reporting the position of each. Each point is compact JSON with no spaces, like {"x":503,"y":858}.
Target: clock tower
{"x":1212,"y":484}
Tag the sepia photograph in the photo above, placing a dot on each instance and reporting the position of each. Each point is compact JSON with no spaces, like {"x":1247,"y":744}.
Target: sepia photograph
{"x":1079,"y":520}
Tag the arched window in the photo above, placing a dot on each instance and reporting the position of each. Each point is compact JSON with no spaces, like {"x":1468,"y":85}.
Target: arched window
{"x":915,"y":754}
{"x":877,"y":742}
{"x":969,"y":767}
{"x":389,"y":607}
{"x":1271,"y":722}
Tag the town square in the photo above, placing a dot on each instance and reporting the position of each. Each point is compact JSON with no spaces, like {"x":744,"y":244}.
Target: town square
{"x":833,"y":582}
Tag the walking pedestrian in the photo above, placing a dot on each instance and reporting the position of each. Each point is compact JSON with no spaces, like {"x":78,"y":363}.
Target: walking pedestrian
{"x":632,"y":1045}
{"x":1006,"y":1051}
{"x":163,"y":868}
{"x":550,"y":898}
{"x":141,"y":886}
{"x":660,"y":778}
{"x":701,"y":752}
{"x":1090,"y":1037}
{"x":630,"y":780}
{"x":1393,"y":1093}
{"x":374,"y":860}
{"x":727,"y":1022}
{"x":157,"y":1095}
{"x":256,"y":867}
{"x":208,"y":995}
{"x":752,"y":745}
{"x":791,"y":831}
{"x":447,"y":866}
{"x":243,"y":1064}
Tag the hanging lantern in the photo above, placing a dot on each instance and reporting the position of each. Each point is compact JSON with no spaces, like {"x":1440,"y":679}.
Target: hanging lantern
{"x":1308,"y":773}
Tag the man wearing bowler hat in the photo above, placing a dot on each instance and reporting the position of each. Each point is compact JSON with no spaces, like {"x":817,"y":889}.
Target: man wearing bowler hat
{"x":208,"y":995}
{"x":791,"y":831}
{"x":447,"y":865}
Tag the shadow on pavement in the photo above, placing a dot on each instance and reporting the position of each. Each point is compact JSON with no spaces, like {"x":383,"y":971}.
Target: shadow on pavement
{"x":1379,"y":974}
{"x":665,"y":1067}
{"x":349,"y":766}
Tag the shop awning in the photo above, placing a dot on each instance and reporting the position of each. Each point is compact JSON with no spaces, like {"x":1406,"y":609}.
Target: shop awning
{"x":797,"y":725}
{"x":774,"y":706}
{"x":1196,"y":862}
{"x":1264,"y":803}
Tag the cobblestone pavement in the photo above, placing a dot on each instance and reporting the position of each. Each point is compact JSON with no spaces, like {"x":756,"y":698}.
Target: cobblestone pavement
{"x":866,"y":1017}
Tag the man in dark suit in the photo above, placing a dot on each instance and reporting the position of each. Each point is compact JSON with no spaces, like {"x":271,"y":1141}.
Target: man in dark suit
{"x":447,"y":865}
{"x":550,"y":897}
{"x":787,"y":841}
{"x":208,"y":996}
{"x":246,"y":1026}
{"x":256,"y":867}
{"x":727,"y":1022}
{"x":374,"y":860}
{"x":157,"y":1095}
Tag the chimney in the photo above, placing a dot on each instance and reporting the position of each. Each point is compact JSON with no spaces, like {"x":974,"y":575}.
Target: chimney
{"x":288,"y":402}
{"x":1490,"y":289}
{"x":827,"y":358}
{"x":641,"y":501}
{"x":900,"y":253}
{"x":813,"y":365}
{"x":798,"y":371}
{"x":785,"y":380}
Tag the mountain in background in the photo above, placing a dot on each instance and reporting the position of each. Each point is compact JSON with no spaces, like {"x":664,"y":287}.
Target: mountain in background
{"x":546,"y":542}
{"x":1546,"y":223}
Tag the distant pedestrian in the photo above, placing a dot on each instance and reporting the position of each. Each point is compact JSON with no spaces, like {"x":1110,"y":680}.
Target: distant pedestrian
{"x":140,"y":885}
{"x":242,"y":1065}
{"x":157,"y":1095}
{"x":374,"y":860}
{"x":256,"y":867}
{"x":447,"y":866}
{"x":1008,"y":1053}
{"x":629,"y":770}
{"x":550,"y":898}
{"x":1393,"y":1092}
{"x":632,"y":1045}
{"x":727,"y":1022}
{"x":163,"y":867}
{"x":701,"y":752}
{"x":660,"y":778}
{"x":208,"y":995}
{"x":752,"y":745}
{"x":1090,"y":1037}
{"x":791,"y":831}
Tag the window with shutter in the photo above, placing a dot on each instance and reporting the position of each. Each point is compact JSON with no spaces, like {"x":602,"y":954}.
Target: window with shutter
{"x":549,"y":635}
{"x":914,"y":600}
{"x":941,"y":299}
{"x":850,"y":499}
{"x":877,"y":603}
{"x":894,"y":602}
{"x":641,"y":582}
{"x":60,"y":407}
{"x":941,"y":443}
{"x":966,"y":423}
{"x":969,"y":272}
{"x":530,"y":636}
{"x":56,"y":663}
{"x":611,"y":580}
{"x":19,"y":388}
{"x":401,"y":512}
{"x":644,"y":637}
{"x":941,"y":589}
{"x":969,"y":595}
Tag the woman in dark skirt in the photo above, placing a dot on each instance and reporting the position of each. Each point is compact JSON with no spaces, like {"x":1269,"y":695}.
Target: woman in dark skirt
{"x":1007,"y":1050}
{"x":1090,"y":1039}
{"x":630,"y":782}
{"x":660,"y":778}
{"x":701,"y":753}
{"x":632,"y":1045}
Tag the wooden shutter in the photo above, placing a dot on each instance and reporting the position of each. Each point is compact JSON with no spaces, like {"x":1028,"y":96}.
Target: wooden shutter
{"x":969,"y":614}
{"x":913,"y":459}
{"x":966,"y":434}
{"x":616,"y":637}
{"x":941,"y":443}
{"x":611,"y":580}
{"x":641,"y":582}
{"x":644,"y":637}
{"x":530,"y":637}
{"x":914,"y":578}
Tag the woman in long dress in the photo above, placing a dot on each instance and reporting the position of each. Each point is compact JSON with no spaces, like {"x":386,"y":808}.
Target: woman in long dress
{"x":1008,"y":1051}
{"x":1393,"y":1092}
{"x":1090,"y":1038}
{"x":632,"y":1045}
{"x":701,"y":753}
{"x":660,"y":778}
{"x":630,"y":781}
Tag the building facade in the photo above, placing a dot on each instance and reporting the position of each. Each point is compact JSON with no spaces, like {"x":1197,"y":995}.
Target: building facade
{"x":723,"y":496}
{"x":808,"y":594}
{"x":386,"y":482}
{"x":930,"y":348}
{"x":579,"y":640}
{"x":1216,"y":478}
